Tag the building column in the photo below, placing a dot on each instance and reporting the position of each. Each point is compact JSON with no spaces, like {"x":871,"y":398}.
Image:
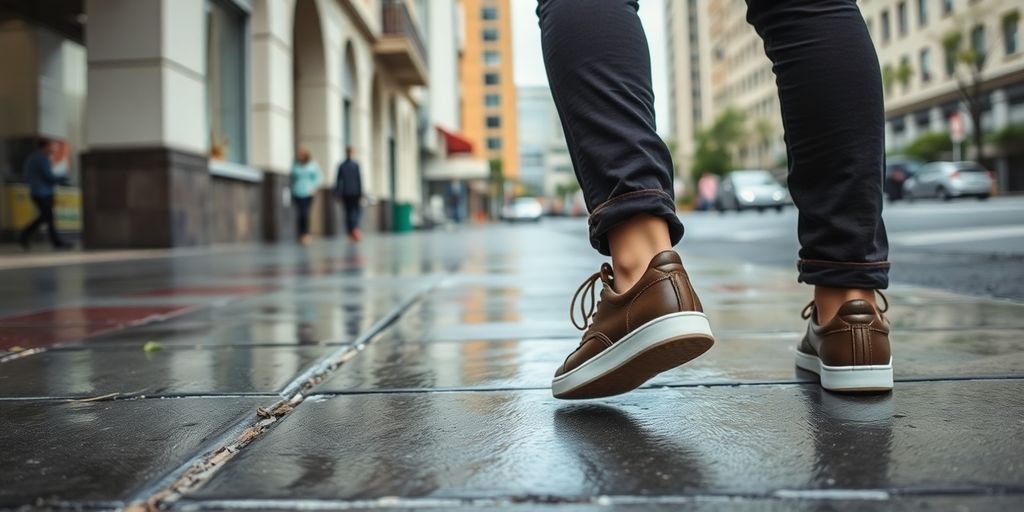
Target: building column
{"x":145,"y":176}
{"x":272,"y":147}
{"x":909,"y":129}
{"x":1000,"y":109}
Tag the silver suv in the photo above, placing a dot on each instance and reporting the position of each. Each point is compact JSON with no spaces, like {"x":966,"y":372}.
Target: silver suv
{"x":946,"y":180}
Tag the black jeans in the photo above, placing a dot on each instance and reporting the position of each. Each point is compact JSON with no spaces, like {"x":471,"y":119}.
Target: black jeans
{"x":830,"y":91}
{"x":45,"y":207}
{"x":302,"y":206}
{"x":353,"y":213}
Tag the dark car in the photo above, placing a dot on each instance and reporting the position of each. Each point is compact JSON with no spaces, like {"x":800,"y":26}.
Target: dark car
{"x":898,"y":169}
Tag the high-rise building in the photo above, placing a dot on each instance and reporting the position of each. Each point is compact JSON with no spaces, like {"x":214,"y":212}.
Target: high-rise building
{"x":544,"y":159}
{"x":717,"y":62}
{"x":488,"y":89}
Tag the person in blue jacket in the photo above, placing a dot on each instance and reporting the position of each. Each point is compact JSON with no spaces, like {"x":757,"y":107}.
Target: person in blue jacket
{"x":305,"y":182}
{"x":38,"y":173}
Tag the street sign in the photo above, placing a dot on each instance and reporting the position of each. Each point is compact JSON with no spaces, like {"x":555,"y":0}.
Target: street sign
{"x":956,"y":128}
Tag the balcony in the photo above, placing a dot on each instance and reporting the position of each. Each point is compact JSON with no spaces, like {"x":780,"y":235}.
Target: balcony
{"x":400,"y":47}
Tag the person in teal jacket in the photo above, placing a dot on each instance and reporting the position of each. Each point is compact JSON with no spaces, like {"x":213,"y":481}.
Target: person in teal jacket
{"x":306,"y":178}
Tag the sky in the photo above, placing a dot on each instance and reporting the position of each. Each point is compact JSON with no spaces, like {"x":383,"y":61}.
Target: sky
{"x":528,"y":60}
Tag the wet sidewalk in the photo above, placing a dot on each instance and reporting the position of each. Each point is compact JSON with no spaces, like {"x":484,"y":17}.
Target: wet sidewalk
{"x":412,"y":372}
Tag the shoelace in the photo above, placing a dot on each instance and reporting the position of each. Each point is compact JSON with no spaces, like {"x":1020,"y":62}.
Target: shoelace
{"x":589,"y":287}
{"x":809,"y":308}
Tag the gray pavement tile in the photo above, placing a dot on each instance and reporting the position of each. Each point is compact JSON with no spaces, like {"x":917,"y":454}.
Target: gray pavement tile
{"x":131,"y":371}
{"x":389,"y":363}
{"x":104,"y":452}
{"x":968,"y":503}
{"x":721,"y":440}
{"x":242,"y":331}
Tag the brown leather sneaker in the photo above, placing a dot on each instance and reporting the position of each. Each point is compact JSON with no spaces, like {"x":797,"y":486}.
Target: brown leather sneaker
{"x":655,"y":326}
{"x":851,"y":352}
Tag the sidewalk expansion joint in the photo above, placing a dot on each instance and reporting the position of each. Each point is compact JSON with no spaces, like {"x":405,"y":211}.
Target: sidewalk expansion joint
{"x":782,"y":496}
{"x":195,"y":473}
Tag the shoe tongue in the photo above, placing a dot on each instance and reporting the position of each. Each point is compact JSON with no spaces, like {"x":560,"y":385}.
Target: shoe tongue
{"x":666,"y":258}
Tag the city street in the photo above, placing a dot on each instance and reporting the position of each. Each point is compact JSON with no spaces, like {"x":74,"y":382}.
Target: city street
{"x":966,"y":246}
{"x":412,"y":372}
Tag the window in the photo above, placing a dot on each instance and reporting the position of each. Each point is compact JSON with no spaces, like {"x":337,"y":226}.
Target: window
{"x":947,"y":7}
{"x":886,"y":29}
{"x":492,"y":100}
{"x":978,"y":43}
{"x":901,"y":17}
{"x":493,"y":122}
{"x":1011,"y":32}
{"x":950,"y":61}
{"x":492,"y":58}
{"x":922,"y":12}
{"x":226,"y":105}
{"x":493,"y":143}
{"x":491,"y":79}
{"x":490,"y":34}
{"x":926,"y":65}
{"x":489,"y":13}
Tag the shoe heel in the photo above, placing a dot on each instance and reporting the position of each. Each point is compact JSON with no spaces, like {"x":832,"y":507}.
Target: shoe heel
{"x":855,"y":379}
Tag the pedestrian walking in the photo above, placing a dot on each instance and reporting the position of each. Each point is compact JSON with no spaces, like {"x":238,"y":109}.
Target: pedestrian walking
{"x":648,"y":318}
{"x":38,"y":173}
{"x":707,"y":191}
{"x":348,"y":188}
{"x":305,"y":182}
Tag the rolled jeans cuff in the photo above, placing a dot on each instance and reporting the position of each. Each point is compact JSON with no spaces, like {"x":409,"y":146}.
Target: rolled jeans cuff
{"x":872,"y":275}
{"x":623,"y":207}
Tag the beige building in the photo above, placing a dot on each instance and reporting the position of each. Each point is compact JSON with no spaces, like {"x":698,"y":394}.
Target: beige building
{"x":488,"y":89}
{"x":921,"y":77}
{"x":716,"y":61}
{"x":193,"y":109}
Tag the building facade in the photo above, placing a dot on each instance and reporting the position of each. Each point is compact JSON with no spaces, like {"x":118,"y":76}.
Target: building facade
{"x":716,"y":62}
{"x":921,"y":48}
{"x":488,"y":87}
{"x":194,"y":110}
{"x":545,"y":165}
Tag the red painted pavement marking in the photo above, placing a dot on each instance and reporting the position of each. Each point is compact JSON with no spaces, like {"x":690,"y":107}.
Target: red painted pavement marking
{"x":207,"y":290}
{"x":53,"y":326}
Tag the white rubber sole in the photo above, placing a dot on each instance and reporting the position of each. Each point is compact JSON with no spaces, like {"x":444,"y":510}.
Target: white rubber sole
{"x":658,"y":345}
{"x":877,"y":377}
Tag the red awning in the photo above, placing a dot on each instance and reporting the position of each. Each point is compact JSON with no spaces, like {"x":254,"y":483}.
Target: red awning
{"x":455,"y":142}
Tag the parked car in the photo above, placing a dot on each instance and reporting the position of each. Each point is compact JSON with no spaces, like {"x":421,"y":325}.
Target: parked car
{"x":751,"y":189}
{"x":523,"y":209}
{"x":898,"y":169}
{"x":946,"y":180}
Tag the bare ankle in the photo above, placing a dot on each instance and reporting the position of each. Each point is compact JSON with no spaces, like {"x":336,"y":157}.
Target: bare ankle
{"x":827,"y":300}
{"x":633,"y":244}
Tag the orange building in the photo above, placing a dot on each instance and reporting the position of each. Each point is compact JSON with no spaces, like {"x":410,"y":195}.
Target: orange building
{"x":488,"y":89}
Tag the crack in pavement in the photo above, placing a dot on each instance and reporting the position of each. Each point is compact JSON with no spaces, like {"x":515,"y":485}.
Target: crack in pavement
{"x":200,"y":469}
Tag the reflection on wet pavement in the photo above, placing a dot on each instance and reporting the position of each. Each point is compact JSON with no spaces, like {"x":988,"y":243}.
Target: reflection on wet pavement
{"x":448,"y":407}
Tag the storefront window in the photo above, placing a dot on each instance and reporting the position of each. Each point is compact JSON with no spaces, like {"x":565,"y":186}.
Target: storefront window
{"x":226,"y":81}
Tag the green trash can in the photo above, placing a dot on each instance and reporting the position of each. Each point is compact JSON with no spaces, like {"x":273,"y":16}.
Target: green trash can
{"x":402,"y":214}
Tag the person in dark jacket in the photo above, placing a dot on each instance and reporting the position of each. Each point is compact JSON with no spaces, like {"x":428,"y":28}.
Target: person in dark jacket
{"x":38,"y":172}
{"x":348,"y":188}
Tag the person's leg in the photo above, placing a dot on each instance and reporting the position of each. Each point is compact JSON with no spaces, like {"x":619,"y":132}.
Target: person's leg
{"x":30,"y":230}
{"x":599,"y":70}
{"x":45,"y":205}
{"x":302,"y":209}
{"x":830,"y":91}
{"x":648,"y":318}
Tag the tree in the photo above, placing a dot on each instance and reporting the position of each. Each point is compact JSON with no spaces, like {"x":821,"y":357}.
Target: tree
{"x":717,"y":143}
{"x":968,"y":64}
{"x":929,"y":146}
{"x":764,"y":131}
